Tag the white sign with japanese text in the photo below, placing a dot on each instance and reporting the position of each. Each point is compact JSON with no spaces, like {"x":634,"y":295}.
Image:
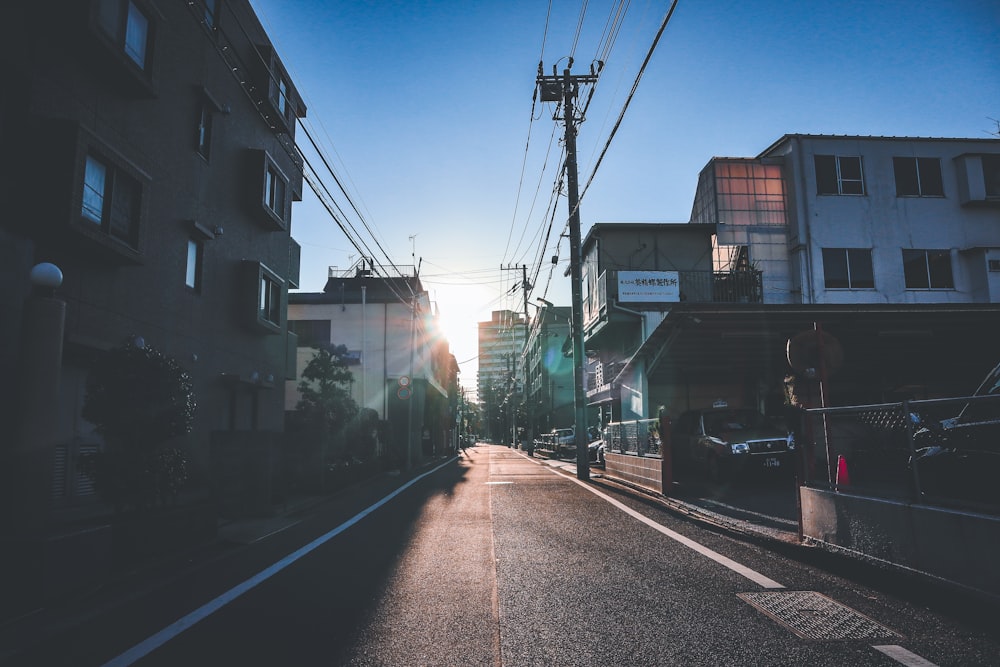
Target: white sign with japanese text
{"x":654,"y":286}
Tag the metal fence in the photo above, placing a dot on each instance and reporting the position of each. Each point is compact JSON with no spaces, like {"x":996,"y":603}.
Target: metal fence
{"x":640,"y":437}
{"x":940,"y":451}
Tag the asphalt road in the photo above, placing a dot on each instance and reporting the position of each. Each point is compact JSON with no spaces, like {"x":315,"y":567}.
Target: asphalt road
{"x":500,"y":559}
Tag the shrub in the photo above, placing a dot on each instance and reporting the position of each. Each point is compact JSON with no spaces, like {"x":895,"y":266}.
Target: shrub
{"x":138,"y":398}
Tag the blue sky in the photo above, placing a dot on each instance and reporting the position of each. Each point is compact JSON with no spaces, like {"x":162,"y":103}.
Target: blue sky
{"x":424,"y":110}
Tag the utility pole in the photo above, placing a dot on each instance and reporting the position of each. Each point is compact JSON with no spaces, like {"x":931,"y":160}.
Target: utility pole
{"x":525,"y":287}
{"x":555,"y":89}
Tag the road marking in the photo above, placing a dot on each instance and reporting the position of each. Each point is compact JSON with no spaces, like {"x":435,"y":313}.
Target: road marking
{"x":904,"y":657}
{"x":738,"y":568}
{"x":897,"y":653}
{"x":150,"y":644}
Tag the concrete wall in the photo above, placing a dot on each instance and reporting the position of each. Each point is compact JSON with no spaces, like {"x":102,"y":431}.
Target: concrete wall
{"x":958,"y":547}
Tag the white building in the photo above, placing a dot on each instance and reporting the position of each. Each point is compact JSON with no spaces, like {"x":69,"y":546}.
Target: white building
{"x":831,"y":219}
{"x":891,"y":244}
{"x":401,"y":364}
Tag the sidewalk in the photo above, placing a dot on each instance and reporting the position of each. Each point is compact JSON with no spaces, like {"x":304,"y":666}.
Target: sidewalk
{"x":122,"y":587}
{"x":286,"y":515}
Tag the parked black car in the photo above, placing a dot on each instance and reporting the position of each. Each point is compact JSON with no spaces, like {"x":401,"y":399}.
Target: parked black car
{"x":727,"y":441}
{"x":959,"y":457}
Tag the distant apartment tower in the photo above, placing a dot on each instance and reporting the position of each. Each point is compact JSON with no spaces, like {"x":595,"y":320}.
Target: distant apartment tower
{"x":501,"y":342}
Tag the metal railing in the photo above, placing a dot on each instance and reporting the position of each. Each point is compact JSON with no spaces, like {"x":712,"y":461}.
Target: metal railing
{"x":639,"y":437}
{"x":694,"y":287}
{"x":941,"y":451}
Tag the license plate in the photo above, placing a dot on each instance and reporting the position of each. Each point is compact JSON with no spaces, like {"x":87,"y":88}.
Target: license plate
{"x":772,"y":462}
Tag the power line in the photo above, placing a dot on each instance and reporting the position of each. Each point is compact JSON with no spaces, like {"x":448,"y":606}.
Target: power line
{"x":628,"y":100}
{"x":241,"y":73}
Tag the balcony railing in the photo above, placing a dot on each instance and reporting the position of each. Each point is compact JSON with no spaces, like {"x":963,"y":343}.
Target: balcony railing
{"x":694,"y":287}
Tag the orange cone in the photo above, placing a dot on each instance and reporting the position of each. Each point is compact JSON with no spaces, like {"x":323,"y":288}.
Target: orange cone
{"x":843,"y":477}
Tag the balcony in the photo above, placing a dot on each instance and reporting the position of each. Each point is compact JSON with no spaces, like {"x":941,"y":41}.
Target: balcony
{"x":691,"y":287}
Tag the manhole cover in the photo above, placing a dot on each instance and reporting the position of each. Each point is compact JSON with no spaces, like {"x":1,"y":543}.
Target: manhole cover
{"x":813,"y":615}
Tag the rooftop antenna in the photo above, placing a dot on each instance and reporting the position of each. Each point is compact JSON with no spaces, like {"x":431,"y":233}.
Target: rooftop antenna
{"x":413,"y":252}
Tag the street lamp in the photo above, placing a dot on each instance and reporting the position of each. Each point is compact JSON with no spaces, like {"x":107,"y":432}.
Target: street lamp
{"x":46,"y":276}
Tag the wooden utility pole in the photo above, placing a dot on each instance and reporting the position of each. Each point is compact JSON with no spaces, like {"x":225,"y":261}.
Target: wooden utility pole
{"x":565,"y":89}
{"x":525,"y":287}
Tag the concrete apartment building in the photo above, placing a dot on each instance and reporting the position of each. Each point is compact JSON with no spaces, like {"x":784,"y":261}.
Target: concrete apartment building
{"x":501,"y":342}
{"x":548,"y":372}
{"x":891,"y":245}
{"x":156,"y":168}
{"x":402,"y":367}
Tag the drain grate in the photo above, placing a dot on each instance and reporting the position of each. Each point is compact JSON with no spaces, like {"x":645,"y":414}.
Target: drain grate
{"x":813,"y":615}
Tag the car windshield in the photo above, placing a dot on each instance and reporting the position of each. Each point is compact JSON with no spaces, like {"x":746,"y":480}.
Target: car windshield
{"x":984,"y":410}
{"x":731,"y":420}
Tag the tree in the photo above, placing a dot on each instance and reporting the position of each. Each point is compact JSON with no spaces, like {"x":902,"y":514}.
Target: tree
{"x":325,"y":404}
{"x":138,"y":398}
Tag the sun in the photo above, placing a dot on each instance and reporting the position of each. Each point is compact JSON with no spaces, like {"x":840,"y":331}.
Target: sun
{"x":460,"y":309}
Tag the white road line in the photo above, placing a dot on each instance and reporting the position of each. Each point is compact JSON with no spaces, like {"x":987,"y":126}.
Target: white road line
{"x":904,"y":657}
{"x":147,"y":646}
{"x":738,"y":568}
{"x":897,"y":653}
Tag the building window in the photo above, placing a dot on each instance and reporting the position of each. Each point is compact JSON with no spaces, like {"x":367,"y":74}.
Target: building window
{"x":928,"y":269}
{"x":204,"y":135}
{"x":282,"y":101}
{"x":128,"y":28}
{"x":192,"y":275}
{"x":991,"y":175}
{"x":264,"y":298}
{"x":274,"y":191}
{"x":269,"y":303}
{"x":848,"y":268}
{"x":918,"y":176}
{"x":839,"y":175}
{"x":746,"y":193}
{"x":111,"y":200}
{"x":281,"y":95}
{"x":311,"y":333}
{"x":283,"y":104}
{"x":95,"y":178}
